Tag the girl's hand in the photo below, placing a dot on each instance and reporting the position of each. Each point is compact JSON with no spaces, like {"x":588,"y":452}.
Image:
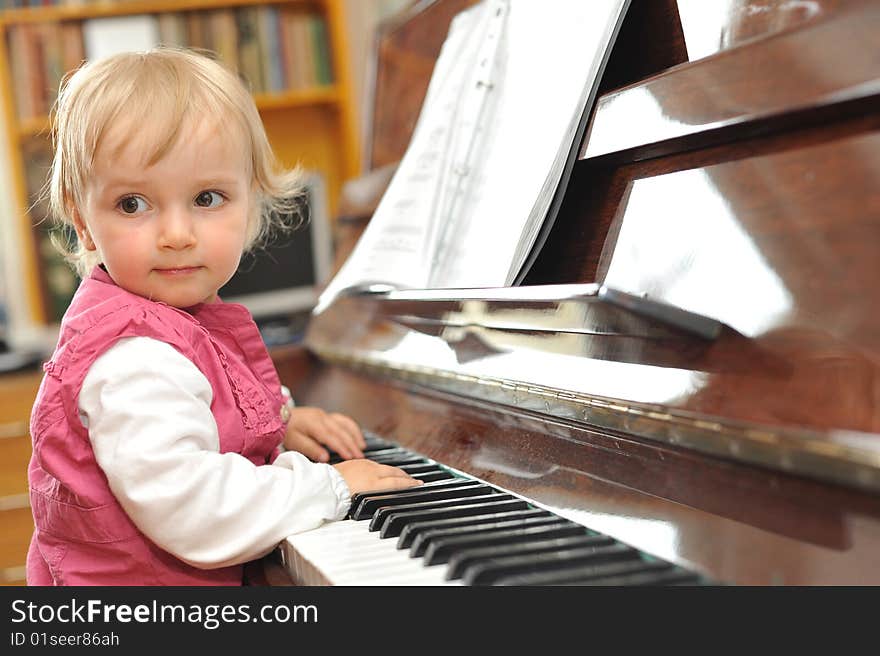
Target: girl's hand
{"x":366,"y":475}
{"x":308,"y":428}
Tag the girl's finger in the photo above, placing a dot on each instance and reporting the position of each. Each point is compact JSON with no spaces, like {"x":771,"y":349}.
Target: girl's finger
{"x":350,"y":426}
{"x":342,"y":441}
{"x":309,"y":447}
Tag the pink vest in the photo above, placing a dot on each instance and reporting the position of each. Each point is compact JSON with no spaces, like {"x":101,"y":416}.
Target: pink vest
{"x":82,"y":535}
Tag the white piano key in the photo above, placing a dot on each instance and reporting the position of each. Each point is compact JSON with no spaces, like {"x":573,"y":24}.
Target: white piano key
{"x":348,"y":553}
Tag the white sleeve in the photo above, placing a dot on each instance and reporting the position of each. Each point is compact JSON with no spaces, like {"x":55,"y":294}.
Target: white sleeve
{"x":148,"y":412}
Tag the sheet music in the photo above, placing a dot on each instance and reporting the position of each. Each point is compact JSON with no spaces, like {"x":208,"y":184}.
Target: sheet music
{"x":496,"y":127}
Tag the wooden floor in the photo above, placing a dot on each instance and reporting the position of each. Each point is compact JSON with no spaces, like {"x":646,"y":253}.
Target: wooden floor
{"x":17,"y":393}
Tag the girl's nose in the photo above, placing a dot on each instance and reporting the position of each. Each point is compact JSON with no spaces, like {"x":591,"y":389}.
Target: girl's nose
{"x":176,"y":231}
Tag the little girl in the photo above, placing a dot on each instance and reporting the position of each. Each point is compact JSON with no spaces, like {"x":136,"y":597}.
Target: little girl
{"x":157,"y":426}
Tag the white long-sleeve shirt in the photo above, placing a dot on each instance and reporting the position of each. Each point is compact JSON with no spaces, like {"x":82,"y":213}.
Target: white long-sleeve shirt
{"x":148,"y":412}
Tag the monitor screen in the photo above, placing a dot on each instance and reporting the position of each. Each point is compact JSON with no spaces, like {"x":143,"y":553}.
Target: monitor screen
{"x":281,"y":278}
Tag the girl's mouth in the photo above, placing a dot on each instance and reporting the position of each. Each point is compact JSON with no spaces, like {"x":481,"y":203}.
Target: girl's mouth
{"x":178,"y":271}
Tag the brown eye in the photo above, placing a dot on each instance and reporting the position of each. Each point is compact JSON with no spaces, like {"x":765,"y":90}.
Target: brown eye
{"x":131,"y":204}
{"x":209,"y":199}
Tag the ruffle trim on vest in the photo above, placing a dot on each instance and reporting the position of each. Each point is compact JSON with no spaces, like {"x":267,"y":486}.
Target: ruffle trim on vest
{"x":261,"y":412}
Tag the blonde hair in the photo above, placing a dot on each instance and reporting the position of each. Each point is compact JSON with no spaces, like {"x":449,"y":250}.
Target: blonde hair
{"x":167,"y":88}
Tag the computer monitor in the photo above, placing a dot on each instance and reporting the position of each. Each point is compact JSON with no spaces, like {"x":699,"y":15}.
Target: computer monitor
{"x":280,"y":280}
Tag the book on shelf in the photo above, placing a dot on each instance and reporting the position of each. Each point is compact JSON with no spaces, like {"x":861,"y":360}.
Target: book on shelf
{"x":223,"y":29}
{"x":306,"y":54}
{"x":173,"y":29}
{"x":50,"y":36}
{"x":29,"y":75}
{"x":40,"y":55}
{"x":480,"y":183}
{"x":320,"y":50}
{"x":196,"y":31}
{"x":297,"y":37}
{"x":287,"y":50}
{"x":268,"y":35}
{"x":249,"y":52}
{"x":72,"y":50}
{"x":21,"y":70}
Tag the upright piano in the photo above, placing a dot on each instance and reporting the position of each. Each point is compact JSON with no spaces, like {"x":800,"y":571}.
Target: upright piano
{"x":686,"y":383}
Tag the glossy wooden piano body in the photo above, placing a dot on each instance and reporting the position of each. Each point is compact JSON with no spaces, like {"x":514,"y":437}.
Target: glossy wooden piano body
{"x":742,"y":184}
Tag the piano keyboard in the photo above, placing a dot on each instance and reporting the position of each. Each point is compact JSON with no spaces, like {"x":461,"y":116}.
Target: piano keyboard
{"x":457,"y":530}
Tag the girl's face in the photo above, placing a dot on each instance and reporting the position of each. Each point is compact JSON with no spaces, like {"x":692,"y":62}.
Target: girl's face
{"x":173,"y":231}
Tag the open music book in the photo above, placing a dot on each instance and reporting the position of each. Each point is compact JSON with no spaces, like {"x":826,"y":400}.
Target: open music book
{"x":494,"y":145}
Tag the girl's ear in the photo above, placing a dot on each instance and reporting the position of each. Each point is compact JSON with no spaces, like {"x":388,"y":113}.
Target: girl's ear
{"x":82,"y":230}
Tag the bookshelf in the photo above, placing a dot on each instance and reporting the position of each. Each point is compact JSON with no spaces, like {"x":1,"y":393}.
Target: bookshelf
{"x":297,"y":66}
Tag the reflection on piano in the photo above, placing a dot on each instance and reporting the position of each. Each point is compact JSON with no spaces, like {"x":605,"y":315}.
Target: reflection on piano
{"x":731,"y":169}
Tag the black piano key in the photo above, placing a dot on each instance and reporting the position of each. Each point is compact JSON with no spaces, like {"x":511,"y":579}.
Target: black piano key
{"x":488,"y":571}
{"x":675,"y":576}
{"x":397,"y":461}
{"x":396,"y":521}
{"x":461,"y":560}
{"x":437,"y":545}
{"x":378,"y":454}
{"x":430,"y":477}
{"x":371,"y":454}
{"x":420,"y":544}
{"x":412,"y":531}
{"x":390,"y":450}
{"x":383,"y":515}
{"x":358,"y":498}
{"x":439,"y":550}
{"x":374,"y":441}
{"x":422,"y":469}
{"x":589,"y":574}
{"x":368,"y":507}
